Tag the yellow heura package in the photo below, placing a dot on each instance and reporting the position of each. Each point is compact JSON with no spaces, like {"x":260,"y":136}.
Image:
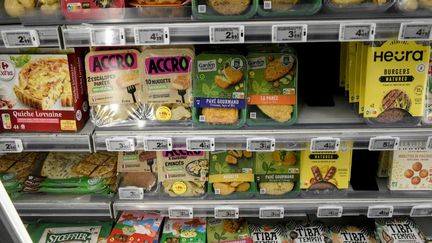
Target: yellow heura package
{"x":325,"y":170}
{"x":396,"y":77}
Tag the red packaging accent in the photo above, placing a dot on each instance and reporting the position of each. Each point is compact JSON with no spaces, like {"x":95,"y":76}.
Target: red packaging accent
{"x":90,"y":9}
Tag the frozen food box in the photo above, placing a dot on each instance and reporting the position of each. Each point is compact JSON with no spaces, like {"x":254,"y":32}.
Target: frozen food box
{"x":398,"y":230}
{"x":277,"y":173}
{"x":43,"y":92}
{"x":411,"y":170}
{"x":396,"y":76}
{"x":224,"y":9}
{"x":350,"y":233}
{"x":84,"y":9}
{"x":265,"y":232}
{"x":228,"y":231}
{"x":219,"y":90}
{"x":139,"y":169}
{"x":272,"y":91}
{"x":183,"y":173}
{"x":20,"y":165}
{"x":308,"y":232}
{"x":137,"y":226}
{"x":167,"y":84}
{"x":231,"y":174}
{"x":184,"y":231}
{"x":283,"y":8}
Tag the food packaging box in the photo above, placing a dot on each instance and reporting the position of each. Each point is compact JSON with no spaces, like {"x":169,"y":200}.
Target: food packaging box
{"x":20,"y":165}
{"x":396,"y":76}
{"x":137,"y":226}
{"x":228,"y":231}
{"x":219,"y":90}
{"x":411,"y":170}
{"x":357,"y":6}
{"x":160,"y":9}
{"x":184,"y":230}
{"x":277,"y":173}
{"x":263,"y":232}
{"x":43,"y":92}
{"x":183,"y":173}
{"x":114,"y":80}
{"x":83,"y":9}
{"x":224,"y":10}
{"x":325,"y":171}
{"x":232,"y":174}
{"x":272,"y":91}
{"x":427,"y":119}
{"x":167,"y":86}
{"x":351,"y":233}
{"x":398,"y":230}
{"x":308,"y":232}
{"x":385,"y":160}
{"x":282,"y":8}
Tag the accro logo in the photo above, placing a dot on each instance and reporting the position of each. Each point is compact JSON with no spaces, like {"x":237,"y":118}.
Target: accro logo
{"x":168,"y":65}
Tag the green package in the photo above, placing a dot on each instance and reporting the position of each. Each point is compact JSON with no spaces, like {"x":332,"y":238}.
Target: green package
{"x":73,"y":182}
{"x":272,"y":88}
{"x":277,"y":173}
{"x":227,"y":230}
{"x":219,"y":90}
{"x":275,"y":8}
{"x":224,"y":9}
{"x":184,"y":231}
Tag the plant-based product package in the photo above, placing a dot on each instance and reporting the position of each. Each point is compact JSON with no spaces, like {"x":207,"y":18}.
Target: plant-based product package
{"x":224,"y":9}
{"x":263,"y":232}
{"x":308,"y":232}
{"x":184,"y":230}
{"x":139,"y":169}
{"x":350,"y":233}
{"x":398,"y":230}
{"x":228,"y":231}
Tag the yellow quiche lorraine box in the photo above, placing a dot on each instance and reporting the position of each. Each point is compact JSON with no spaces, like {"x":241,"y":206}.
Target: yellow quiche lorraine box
{"x":43,"y":92}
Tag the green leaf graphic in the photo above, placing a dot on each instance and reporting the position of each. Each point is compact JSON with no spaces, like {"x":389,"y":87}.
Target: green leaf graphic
{"x":206,"y":90}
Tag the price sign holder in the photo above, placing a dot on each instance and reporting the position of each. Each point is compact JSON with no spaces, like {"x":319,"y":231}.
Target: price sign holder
{"x":333,"y":211}
{"x":120,"y":144}
{"x":157,"y":144}
{"x":200,"y":144}
{"x":11,"y":145}
{"x":415,"y":31}
{"x":226,"y":34}
{"x":271,"y":212}
{"x":380,"y":211}
{"x":226,"y":212}
{"x":421,"y":211}
{"x":289,"y":33}
{"x":131,"y":192}
{"x":20,"y":38}
{"x":325,"y":144}
{"x":429,"y":144}
{"x":151,"y":36}
{"x":180,"y":213}
{"x":113,"y":36}
{"x":357,"y":32}
{"x":384,"y":143}
{"x":260,"y":144}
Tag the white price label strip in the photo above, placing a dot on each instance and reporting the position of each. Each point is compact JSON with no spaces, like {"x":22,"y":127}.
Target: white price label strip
{"x":20,"y":38}
{"x":421,"y":211}
{"x":325,"y":144}
{"x":226,"y":34}
{"x":384,"y":143}
{"x":289,"y":33}
{"x":329,"y":211}
{"x":152,"y":36}
{"x":11,"y":145}
{"x":157,"y":144}
{"x":415,"y":31}
{"x":260,"y":144}
{"x":200,"y":144}
{"x":226,"y":212}
{"x":271,"y":212}
{"x":180,"y":213}
{"x":134,"y":193}
{"x":429,"y":144}
{"x":380,"y":211}
{"x":107,"y":37}
{"x":120,"y":144}
{"x":357,"y":32}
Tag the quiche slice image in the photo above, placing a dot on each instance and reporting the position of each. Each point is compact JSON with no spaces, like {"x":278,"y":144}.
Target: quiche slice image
{"x":42,"y":82}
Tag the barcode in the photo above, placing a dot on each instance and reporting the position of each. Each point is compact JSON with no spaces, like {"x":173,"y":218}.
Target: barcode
{"x":253,"y":115}
{"x":202,"y":118}
{"x":267,"y":5}
{"x":202,"y":8}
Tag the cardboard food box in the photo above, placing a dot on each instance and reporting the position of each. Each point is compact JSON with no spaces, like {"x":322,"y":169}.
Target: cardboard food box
{"x":398,"y":230}
{"x":228,"y":231}
{"x":43,"y":92}
{"x":184,"y":231}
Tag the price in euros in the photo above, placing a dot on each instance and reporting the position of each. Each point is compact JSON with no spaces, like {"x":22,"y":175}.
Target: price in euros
{"x":226,"y":34}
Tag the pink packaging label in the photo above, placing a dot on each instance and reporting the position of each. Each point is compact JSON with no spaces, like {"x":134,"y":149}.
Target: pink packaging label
{"x":113,"y":62}
{"x":175,"y":153}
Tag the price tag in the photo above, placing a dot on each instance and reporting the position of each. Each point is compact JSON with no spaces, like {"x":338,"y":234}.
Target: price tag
{"x":180,"y":213}
{"x":325,"y":144}
{"x":415,"y":31}
{"x":157,"y":144}
{"x":421,"y":211}
{"x":383,"y":143}
{"x":380,"y":211}
{"x":357,"y":32}
{"x":20,"y":38}
{"x":11,"y":145}
{"x":271,"y":212}
{"x":152,"y":36}
{"x":107,"y":37}
{"x":289,"y":33}
{"x":226,"y":34}
{"x":260,"y":144}
{"x":120,"y":144}
{"x":200,"y":144}
{"x":330,"y":211}
{"x":131,"y":192}
{"x":429,"y":144}
{"x":226,"y":212}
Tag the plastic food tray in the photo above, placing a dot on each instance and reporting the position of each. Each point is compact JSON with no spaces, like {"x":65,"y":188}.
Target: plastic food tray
{"x":363,"y":7}
{"x":302,"y":8}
